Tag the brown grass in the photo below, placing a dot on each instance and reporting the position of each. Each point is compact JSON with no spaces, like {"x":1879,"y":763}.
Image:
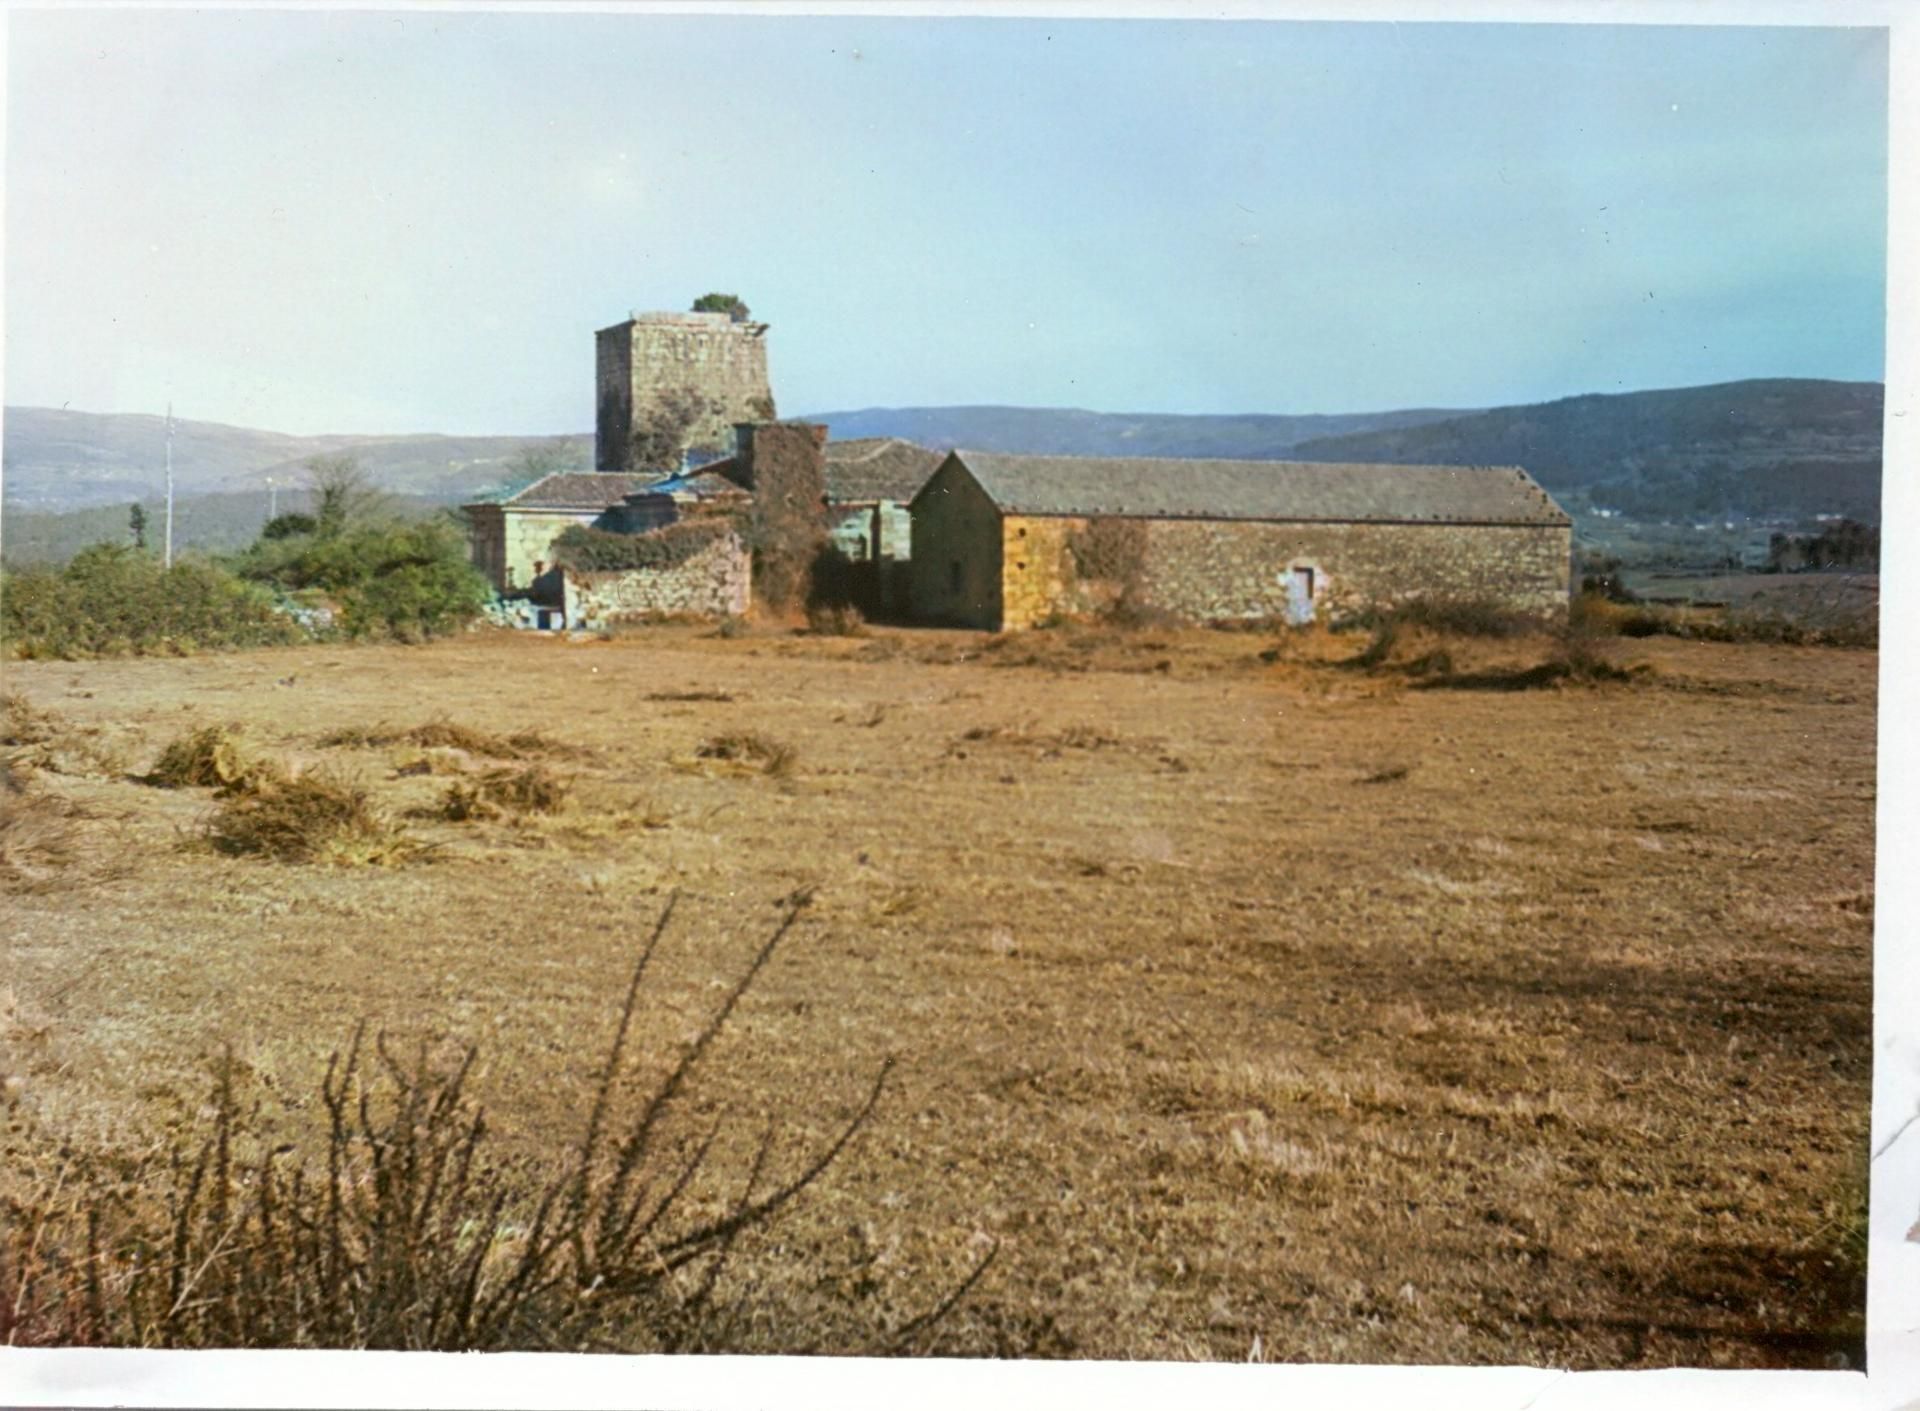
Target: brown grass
{"x":48,"y":842}
{"x":768,"y":755}
{"x":1556,"y":1049}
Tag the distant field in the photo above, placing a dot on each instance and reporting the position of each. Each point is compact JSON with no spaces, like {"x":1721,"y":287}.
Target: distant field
{"x":1811,"y":598}
{"x":1244,"y":1004}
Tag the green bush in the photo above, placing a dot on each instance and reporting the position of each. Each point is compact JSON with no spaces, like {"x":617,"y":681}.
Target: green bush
{"x":587,"y":550}
{"x":111,"y":600}
{"x":392,"y":578}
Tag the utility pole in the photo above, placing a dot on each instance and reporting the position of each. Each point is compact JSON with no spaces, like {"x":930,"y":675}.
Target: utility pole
{"x":167,"y":560}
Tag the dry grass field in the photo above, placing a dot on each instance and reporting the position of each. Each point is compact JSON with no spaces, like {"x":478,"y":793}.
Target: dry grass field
{"x":1247,"y":1005}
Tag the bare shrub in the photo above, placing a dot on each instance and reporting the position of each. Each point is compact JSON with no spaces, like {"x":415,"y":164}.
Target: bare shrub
{"x":1112,"y":551}
{"x":403,"y":1231}
{"x":836,"y":620}
{"x":313,"y":817}
{"x":1466,"y":617}
{"x":212,"y":757}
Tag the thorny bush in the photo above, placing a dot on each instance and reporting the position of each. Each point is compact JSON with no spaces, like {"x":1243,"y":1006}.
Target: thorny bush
{"x":405,"y":1232}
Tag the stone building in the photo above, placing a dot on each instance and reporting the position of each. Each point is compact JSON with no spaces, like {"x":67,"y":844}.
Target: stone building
{"x":511,"y":540}
{"x":657,"y":366}
{"x":869,"y":483}
{"x":1003,"y":542}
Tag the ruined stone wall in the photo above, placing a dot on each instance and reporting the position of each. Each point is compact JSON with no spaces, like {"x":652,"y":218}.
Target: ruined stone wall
{"x":716,"y":582}
{"x":954,"y":572}
{"x":640,"y":364}
{"x":1222,"y":570}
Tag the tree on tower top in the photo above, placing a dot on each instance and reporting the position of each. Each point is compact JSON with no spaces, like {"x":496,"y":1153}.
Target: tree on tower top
{"x":730,"y":304}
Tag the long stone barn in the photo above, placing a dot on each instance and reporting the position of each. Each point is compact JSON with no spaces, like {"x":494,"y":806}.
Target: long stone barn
{"x":1005,"y":542}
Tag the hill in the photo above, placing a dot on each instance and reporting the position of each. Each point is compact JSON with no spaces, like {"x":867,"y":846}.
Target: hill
{"x":209,"y":524}
{"x":1776,"y":449}
{"x":1643,"y":473}
{"x":1072,"y":432}
{"x":59,"y":460}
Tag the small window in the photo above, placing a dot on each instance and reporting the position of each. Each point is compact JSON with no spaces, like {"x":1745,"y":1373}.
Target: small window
{"x":1021,"y":565}
{"x":1022,"y":531}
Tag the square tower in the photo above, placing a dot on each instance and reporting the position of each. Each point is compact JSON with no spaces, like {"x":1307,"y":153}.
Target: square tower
{"x":671,"y":383}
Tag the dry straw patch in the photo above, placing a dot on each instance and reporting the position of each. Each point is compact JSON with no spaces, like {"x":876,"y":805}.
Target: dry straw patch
{"x":41,"y":739}
{"x":452,"y":735}
{"x":314,"y":817}
{"x":750,"y":752}
{"x":533,"y":789}
{"x":48,"y":842}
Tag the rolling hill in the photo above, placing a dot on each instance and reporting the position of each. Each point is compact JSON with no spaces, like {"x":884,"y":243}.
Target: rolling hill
{"x":1635,"y":465}
{"x":58,"y":460}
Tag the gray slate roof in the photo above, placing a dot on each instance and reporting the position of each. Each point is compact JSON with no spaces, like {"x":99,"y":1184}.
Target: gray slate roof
{"x":869,"y":469}
{"x":1155,"y":488}
{"x":584,"y":490}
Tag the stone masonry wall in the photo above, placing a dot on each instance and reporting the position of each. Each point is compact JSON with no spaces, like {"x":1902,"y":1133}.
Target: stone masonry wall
{"x":954,"y":575}
{"x":512,"y":547}
{"x":638,"y":364}
{"x":1220,"y":570}
{"x":716,"y":582}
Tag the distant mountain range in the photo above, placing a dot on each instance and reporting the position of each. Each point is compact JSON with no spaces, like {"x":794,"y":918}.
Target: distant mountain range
{"x":1771,"y":451}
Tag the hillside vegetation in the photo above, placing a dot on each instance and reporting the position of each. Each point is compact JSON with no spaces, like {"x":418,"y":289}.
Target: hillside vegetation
{"x":1781,"y":448}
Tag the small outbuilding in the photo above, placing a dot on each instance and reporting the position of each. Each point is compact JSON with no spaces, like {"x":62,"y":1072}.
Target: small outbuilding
{"x":512,"y":539}
{"x":1003,"y":542}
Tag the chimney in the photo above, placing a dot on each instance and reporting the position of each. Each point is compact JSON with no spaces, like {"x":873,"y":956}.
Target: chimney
{"x":762,"y":447}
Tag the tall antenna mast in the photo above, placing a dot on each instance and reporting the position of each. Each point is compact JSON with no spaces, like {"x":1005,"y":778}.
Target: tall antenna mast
{"x":167,"y":560}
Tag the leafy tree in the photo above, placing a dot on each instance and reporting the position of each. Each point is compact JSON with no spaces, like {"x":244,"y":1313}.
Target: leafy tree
{"x":422,"y":586}
{"x":137,"y":524}
{"x":408,"y":580}
{"x":730,"y":304}
{"x":289,"y":525}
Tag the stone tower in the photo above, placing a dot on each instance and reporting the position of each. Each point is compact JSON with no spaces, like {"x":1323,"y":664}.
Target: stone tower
{"x":658,"y":369}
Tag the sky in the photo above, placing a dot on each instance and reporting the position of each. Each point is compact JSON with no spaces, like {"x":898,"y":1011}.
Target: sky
{"x":364,"y":221}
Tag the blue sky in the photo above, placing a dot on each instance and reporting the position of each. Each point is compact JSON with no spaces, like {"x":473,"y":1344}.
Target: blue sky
{"x":363,"y":221}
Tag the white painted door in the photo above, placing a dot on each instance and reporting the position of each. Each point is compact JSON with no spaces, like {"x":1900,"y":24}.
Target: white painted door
{"x":1299,"y":584}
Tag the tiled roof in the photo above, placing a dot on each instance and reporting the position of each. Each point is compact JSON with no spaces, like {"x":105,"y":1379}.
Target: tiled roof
{"x":585,"y":490}
{"x":874,"y":468}
{"x":1153,"y":488}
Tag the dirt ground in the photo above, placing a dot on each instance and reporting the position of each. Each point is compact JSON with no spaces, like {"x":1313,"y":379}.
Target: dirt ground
{"x":1248,"y":1007}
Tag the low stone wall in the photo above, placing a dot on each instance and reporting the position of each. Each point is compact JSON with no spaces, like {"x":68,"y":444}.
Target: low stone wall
{"x":716,"y":582}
